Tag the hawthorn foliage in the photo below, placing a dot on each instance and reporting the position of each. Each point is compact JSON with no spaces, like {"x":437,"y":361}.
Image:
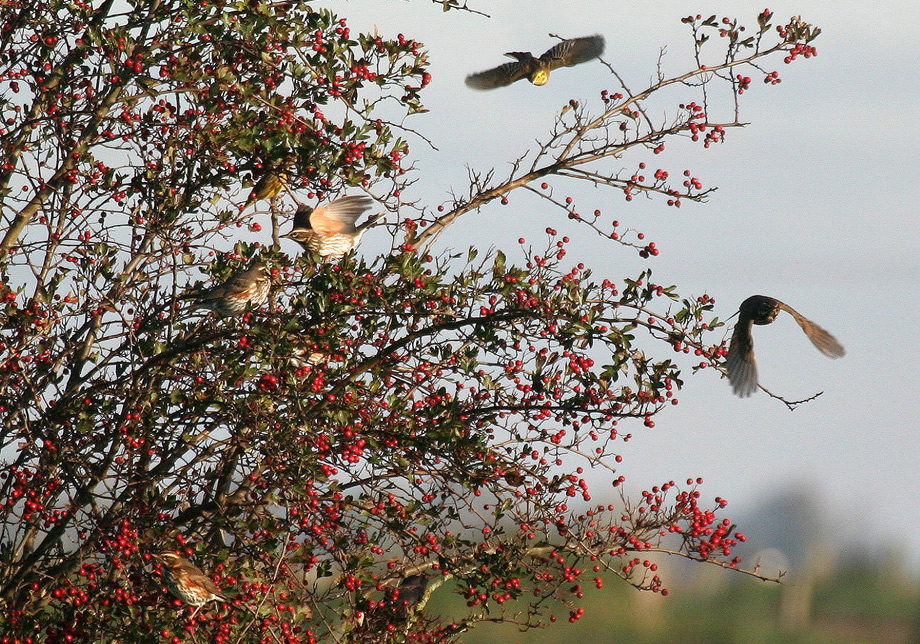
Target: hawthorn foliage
{"x":424,"y":412}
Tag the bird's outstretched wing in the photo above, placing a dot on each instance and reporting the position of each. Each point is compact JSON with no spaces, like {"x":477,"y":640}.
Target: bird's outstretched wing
{"x":338,"y":216}
{"x":500,"y":76}
{"x":824,"y":341}
{"x":573,"y":52}
{"x":740,"y":364}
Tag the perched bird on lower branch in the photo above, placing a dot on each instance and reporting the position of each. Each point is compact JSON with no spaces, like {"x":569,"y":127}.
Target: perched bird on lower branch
{"x":330,"y":230}
{"x":760,"y":309}
{"x":242,"y":291}
{"x":566,"y":54}
{"x":188,"y":582}
{"x":411,"y":590}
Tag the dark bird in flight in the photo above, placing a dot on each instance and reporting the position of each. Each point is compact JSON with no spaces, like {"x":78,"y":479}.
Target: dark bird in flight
{"x":243,"y":290}
{"x":330,"y":230}
{"x":760,"y":309}
{"x":566,"y":54}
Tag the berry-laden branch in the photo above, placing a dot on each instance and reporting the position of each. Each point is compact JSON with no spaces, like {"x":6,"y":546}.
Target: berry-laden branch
{"x":319,"y":442}
{"x":580,"y":139}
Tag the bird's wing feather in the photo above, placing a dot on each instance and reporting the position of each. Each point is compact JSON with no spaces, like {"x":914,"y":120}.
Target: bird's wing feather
{"x":240,"y":283}
{"x":573,"y":52}
{"x":235,"y":285}
{"x":740,"y":364}
{"x":302,"y":217}
{"x":499,"y":76}
{"x":211,"y":587}
{"x":339,"y":216}
{"x":824,"y":341}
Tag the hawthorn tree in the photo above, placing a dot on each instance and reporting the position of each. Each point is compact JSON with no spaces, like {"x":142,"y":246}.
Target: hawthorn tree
{"x":381,"y":422}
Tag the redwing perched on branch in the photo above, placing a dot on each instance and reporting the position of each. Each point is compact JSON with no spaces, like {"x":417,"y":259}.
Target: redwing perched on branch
{"x":187,"y":581}
{"x":566,"y":54}
{"x":760,"y":309}
{"x":241,"y":291}
{"x":330,"y":230}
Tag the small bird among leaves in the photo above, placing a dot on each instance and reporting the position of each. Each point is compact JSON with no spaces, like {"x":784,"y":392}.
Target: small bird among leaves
{"x":268,"y":186}
{"x":411,"y":590}
{"x":241,"y":292}
{"x":330,"y":230}
{"x":188,"y":582}
{"x":566,"y":54}
{"x":760,"y":309}
{"x":302,"y":357}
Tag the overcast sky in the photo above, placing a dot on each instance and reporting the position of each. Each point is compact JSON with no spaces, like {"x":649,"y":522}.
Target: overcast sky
{"x":816,"y":206}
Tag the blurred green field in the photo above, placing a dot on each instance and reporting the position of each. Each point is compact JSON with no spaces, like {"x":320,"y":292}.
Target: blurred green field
{"x":850,"y":601}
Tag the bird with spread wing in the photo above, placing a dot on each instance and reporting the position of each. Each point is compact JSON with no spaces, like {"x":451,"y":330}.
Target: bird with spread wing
{"x":760,"y":309}
{"x":330,"y":230}
{"x":566,"y":54}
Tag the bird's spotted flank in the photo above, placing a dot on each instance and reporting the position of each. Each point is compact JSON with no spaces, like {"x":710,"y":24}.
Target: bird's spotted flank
{"x":187,"y":581}
{"x":241,"y":292}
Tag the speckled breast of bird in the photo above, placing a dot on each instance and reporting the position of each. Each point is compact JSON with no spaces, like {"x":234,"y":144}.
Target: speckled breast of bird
{"x":332,"y":246}
{"x":183,"y":586}
{"x":260,"y":292}
{"x":254,"y":296}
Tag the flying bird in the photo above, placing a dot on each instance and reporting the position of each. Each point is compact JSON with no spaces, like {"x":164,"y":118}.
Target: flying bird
{"x":760,"y":309}
{"x":241,"y":291}
{"x":188,"y":582}
{"x":330,"y":230}
{"x":566,"y":54}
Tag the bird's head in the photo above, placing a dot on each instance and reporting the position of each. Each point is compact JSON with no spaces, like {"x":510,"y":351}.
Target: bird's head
{"x":260,"y":268}
{"x":300,"y":235}
{"x":169,"y":559}
{"x":520,"y":56}
{"x":760,"y":309}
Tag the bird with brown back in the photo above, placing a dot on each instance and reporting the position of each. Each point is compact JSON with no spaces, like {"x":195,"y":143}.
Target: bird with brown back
{"x":760,"y":309}
{"x":241,"y":292}
{"x":188,"y":582}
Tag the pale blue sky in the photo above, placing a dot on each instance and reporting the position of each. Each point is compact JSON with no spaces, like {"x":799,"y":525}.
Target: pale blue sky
{"x":816,"y":206}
